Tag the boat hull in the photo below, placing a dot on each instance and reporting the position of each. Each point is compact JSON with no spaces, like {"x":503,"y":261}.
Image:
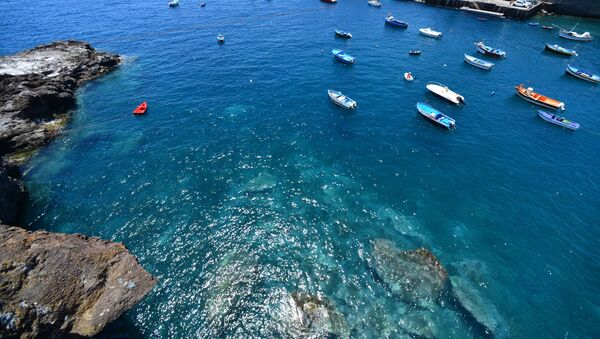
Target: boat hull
{"x":481,"y":64}
{"x":559,"y":50}
{"x":551,"y":118}
{"x":582,"y":75}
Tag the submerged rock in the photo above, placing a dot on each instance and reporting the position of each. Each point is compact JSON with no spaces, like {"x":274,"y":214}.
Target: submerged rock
{"x":55,"y":285}
{"x":38,"y":85}
{"x":313,"y":317}
{"x":483,"y":312}
{"x":261,"y":183}
{"x":420,"y":324}
{"x":415,"y":276}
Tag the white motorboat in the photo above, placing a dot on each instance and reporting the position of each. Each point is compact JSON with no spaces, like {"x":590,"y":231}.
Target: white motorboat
{"x":341,"y":100}
{"x":446,"y":93}
{"x":374,"y":3}
{"x":471,"y":60}
{"x":173,"y":3}
{"x":430,"y":33}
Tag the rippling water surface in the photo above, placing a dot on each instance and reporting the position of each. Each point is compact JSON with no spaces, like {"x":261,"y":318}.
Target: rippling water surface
{"x":244,"y":185}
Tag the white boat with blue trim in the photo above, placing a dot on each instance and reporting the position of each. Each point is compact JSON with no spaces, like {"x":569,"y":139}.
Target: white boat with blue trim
{"x":436,"y":116}
{"x":471,"y":60}
{"x":341,"y":100}
{"x":583,"y":74}
{"x":430,"y":33}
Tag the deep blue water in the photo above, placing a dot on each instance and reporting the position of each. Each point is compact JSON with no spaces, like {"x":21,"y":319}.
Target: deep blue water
{"x":243,"y":183}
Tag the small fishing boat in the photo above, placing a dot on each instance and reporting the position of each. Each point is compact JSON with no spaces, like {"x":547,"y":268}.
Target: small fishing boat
{"x":329,"y":1}
{"x":471,"y":60}
{"x":436,"y":116}
{"x":343,"y":34}
{"x":221,"y":38}
{"x":583,"y":74}
{"x":487,"y":50}
{"x":343,"y":56}
{"x":141,"y":109}
{"x":538,"y":99}
{"x":534,"y":24}
{"x":341,"y":100}
{"x":444,"y":92}
{"x":560,"y":121}
{"x":390,"y":20}
{"x":430,"y":33}
{"x":571,"y":35}
{"x":374,"y":3}
{"x":173,"y":3}
{"x":408,"y":76}
{"x":560,"y":50}
{"x":549,"y":28}
{"x":203,"y":4}
{"x":414,"y":52}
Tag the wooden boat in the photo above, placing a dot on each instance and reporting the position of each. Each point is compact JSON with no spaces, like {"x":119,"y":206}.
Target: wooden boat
{"x":560,"y":121}
{"x":583,"y":74}
{"x":141,"y":109}
{"x":173,"y":3}
{"x":390,"y":20}
{"x":571,"y":35}
{"x":446,"y":93}
{"x":221,"y":38}
{"x":374,"y":3}
{"x":560,"y":50}
{"x":414,"y":52}
{"x":408,"y":76}
{"x":549,"y":28}
{"x":343,"y":56}
{"x":341,"y":100}
{"x":430,"y":33}
{"x":471,"y":60}
{"x":436,"y":116}
{"x":487,"y":50}
{"x":538,"y":99}
{"x":343,"y":34}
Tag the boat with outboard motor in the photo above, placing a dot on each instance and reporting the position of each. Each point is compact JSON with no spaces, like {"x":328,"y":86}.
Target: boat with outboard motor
{"x":488,"y":50}
{"x":345,"y":35}
{"x":444,"y":92}
{"x":471,"y":60}
{"x":583,"y":74}
{"x":341,"y":100}
{"x":557,"y":120}
{"x":430,"y":33}
{"x":390,"y":20}
{"x":528,"y":94}
{"x":560,"y":50}
{"x":342,"y":56}
{"x":435,"y":116}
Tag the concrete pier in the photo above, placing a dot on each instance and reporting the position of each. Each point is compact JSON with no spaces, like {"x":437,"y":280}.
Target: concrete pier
{"x":496,"y":6}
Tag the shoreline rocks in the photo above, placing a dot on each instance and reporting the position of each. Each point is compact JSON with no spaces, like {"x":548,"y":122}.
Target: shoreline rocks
{"x":52,"y":284}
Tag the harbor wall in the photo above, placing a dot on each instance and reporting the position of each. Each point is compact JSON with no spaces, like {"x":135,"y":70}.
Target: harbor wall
{"x":508,"y":11}
{"x":584,"y":8}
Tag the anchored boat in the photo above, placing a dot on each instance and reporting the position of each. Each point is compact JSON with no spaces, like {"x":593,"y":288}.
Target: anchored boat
{"x":221,"y":38}
{"x":436,"y":116}
{"x":583,"y":74}
{"x":390,"y":20}
{"x":549,"y":28}
{"x":560,"y":50}
{"x":571,"y":35}
{"x":173,"y":3}
{"x":446,"y":93}
{"x":343,"y":34}
{"x":471,"y":60}
{"x":329,"y":1}
{"x":374,"y":3}
{"x":538,"y":99}
{"x":408,"y":76}
{"x":341,"y":100}
{"x":343,"y":56}
{"x":430,"y":33}
{"x":488,"y":50}
{"x":414,"y":52}
{"x":560,"y":121}
{"x":141,"y":109}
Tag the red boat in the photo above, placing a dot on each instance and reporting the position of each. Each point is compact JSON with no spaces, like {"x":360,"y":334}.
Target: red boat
{"x":141,"y":109}
{"x":329,"y":1}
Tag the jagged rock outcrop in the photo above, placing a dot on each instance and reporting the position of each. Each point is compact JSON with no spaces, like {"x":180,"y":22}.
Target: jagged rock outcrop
{"x":38,"y":85}
{"x":56,"y":284}
{"x":12,"y":194}
{"x":415,"y":276}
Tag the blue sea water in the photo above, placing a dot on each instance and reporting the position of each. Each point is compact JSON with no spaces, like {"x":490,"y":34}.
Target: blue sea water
{"x":243,"y":183}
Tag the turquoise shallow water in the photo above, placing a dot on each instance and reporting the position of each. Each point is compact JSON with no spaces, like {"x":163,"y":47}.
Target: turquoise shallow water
{"x":243,"y":183}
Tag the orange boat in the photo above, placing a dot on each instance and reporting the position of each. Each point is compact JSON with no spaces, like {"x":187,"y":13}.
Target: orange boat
{"x":538,"y":99}
{"x":141,"y":109}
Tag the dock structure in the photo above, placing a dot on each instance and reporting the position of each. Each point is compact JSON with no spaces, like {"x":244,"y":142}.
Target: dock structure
{"x":498,"y":8}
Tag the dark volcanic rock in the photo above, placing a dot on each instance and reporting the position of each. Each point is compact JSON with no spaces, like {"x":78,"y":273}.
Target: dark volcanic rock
{"x":12,"y":195}
{"x":416,"y":276}
{"x":39,"y":84}
{"x":55,"y":284}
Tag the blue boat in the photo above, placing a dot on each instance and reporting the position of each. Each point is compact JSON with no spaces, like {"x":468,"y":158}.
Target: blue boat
{"x":343,"y":56}
{"x":390,"y":20}
{"x":488,"y":50}
{"x":560,"y":121}
{"x":583,"y":74}
{"x":435,"y":116}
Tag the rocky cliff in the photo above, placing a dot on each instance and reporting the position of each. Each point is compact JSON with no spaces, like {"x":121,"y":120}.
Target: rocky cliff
{"x":53,"y":285}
